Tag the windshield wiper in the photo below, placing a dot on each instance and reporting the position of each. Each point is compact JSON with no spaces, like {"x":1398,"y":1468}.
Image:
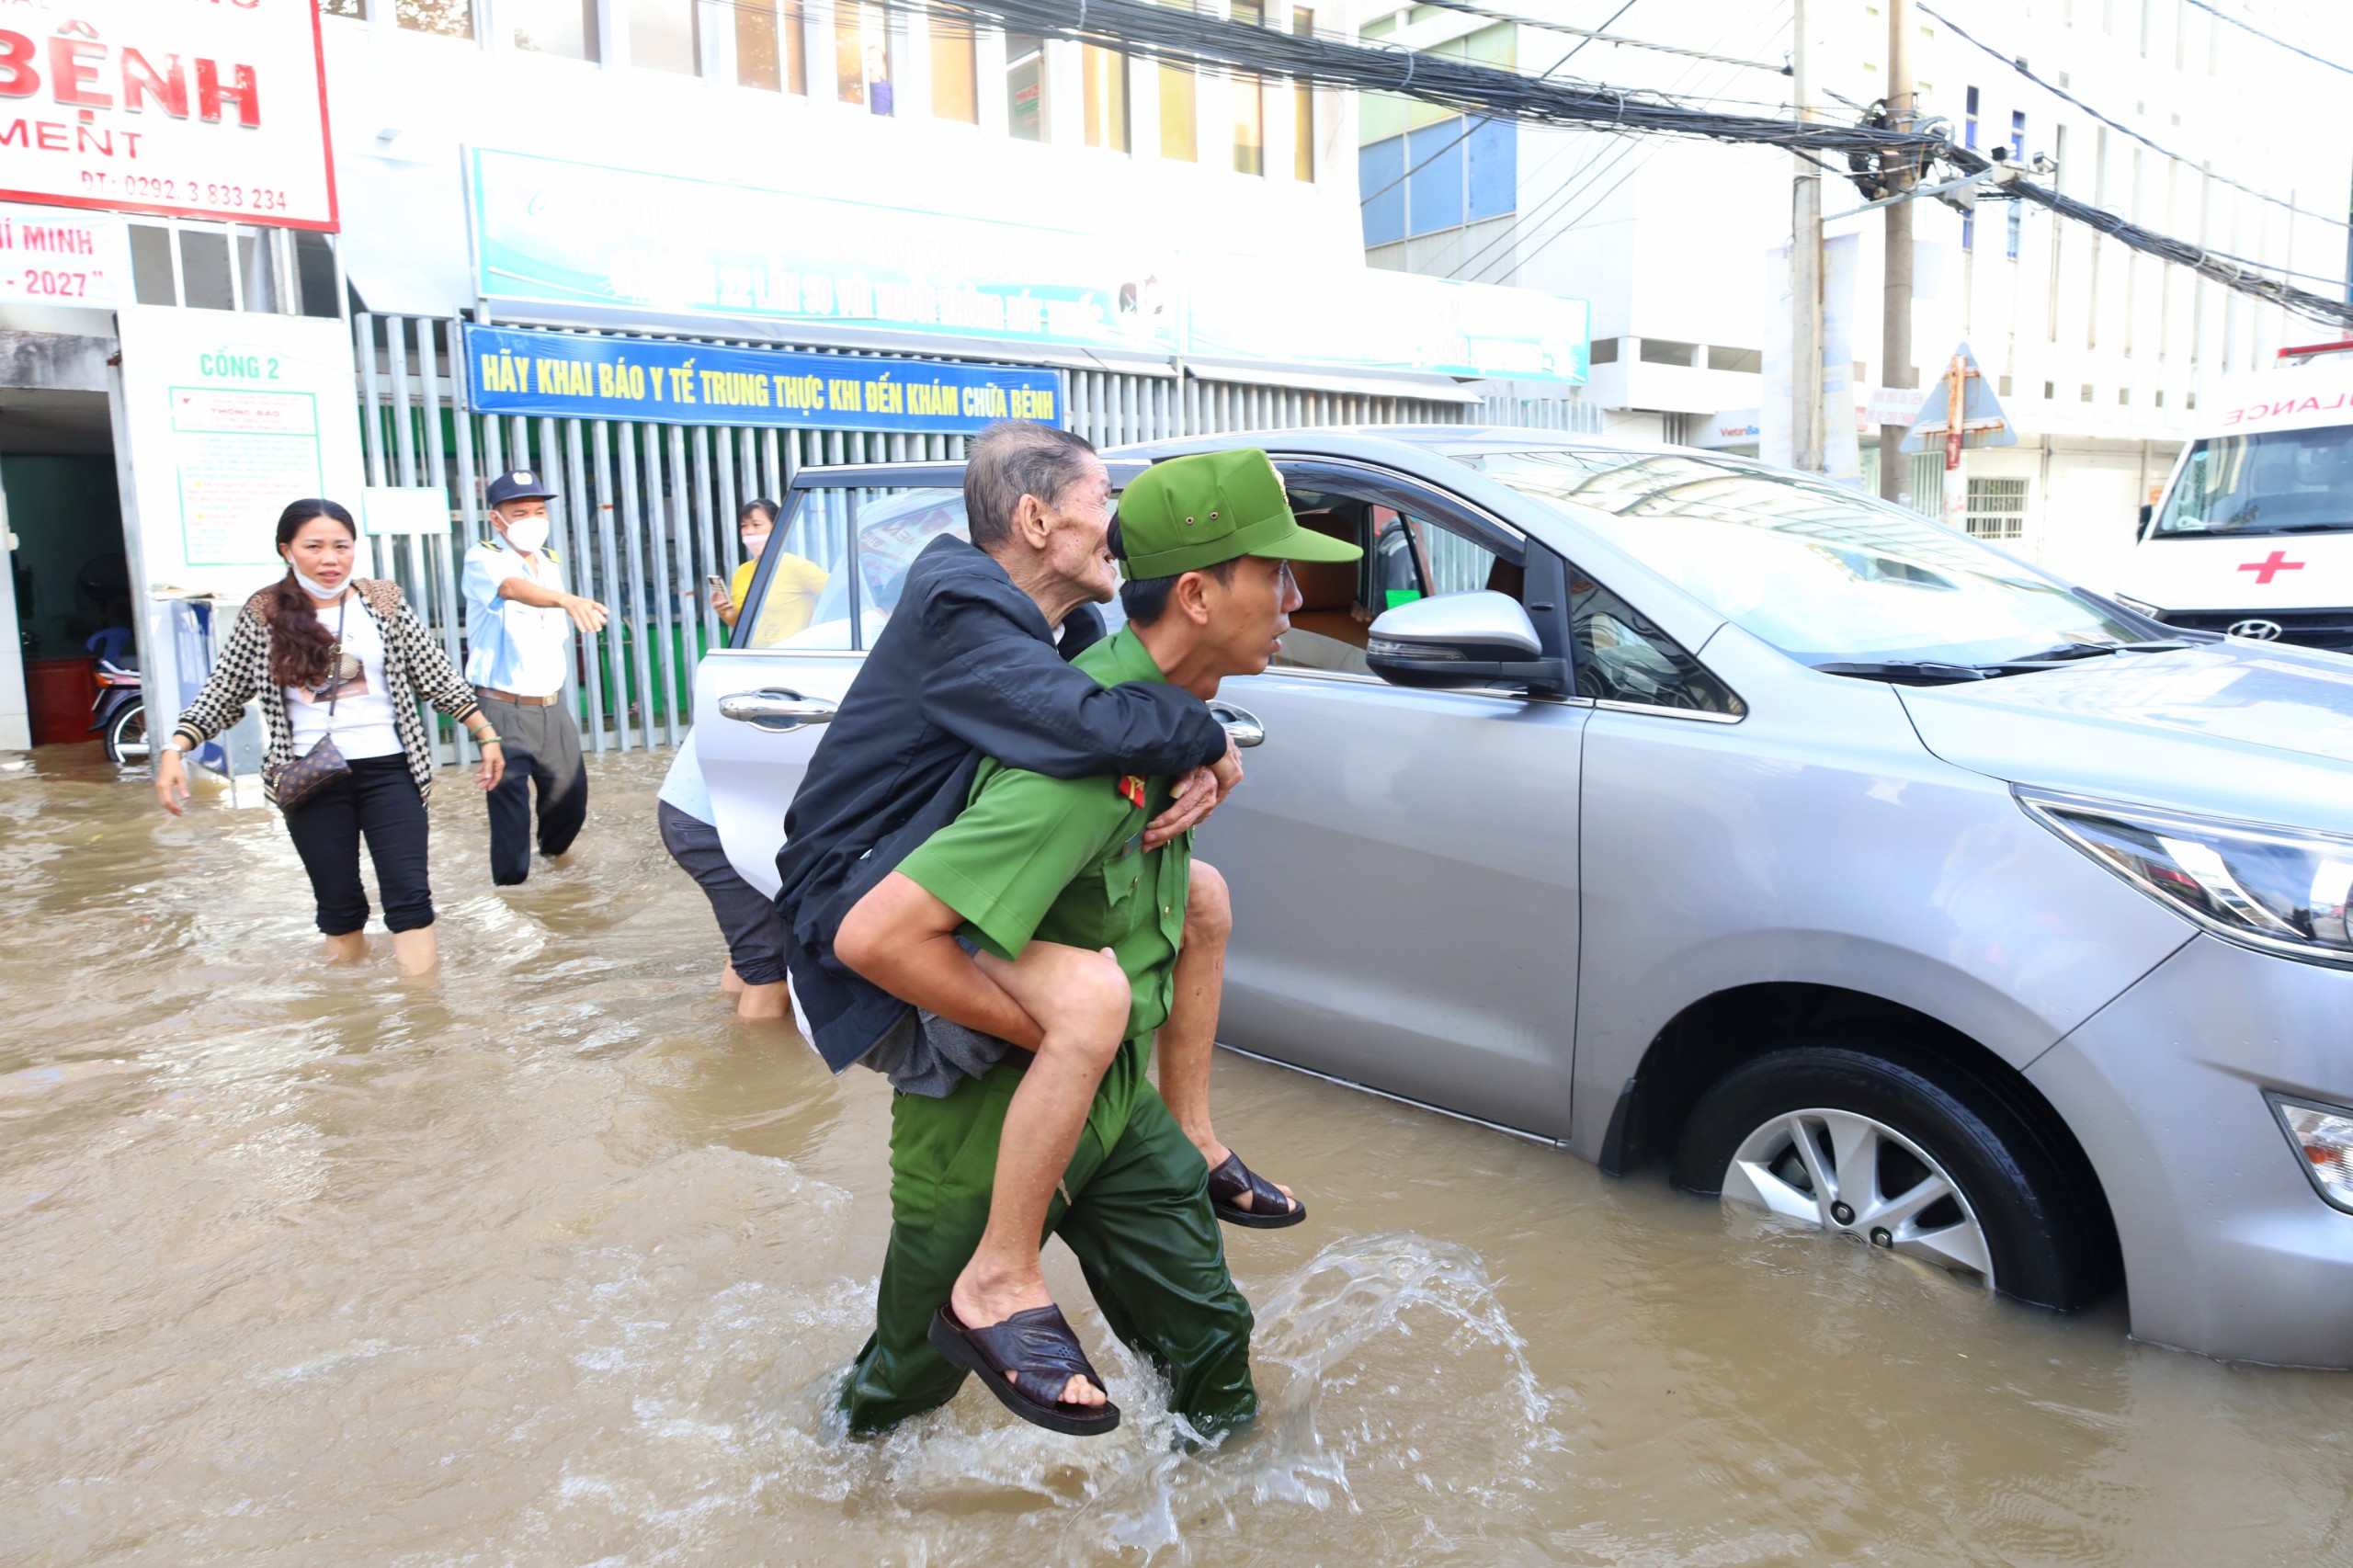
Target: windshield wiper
{"x":1935,"y":672}
{"x":1907,"y":672}
{"x":2067,"y":652}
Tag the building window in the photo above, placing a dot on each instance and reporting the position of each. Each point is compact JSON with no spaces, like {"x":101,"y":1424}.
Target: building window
{"x":1249,"y":101}
{"x":863,"y":55}
{"x":1179,"y":134}
{"x":1103,"y":83}
{"x":1302,"y":112}
{"x":1605,"y":351}
{"x":771,"y":46}
{"x":1750,"y":360}
{"x":661,"y":34}
{"x":2018,"y":154}
{"x":554,"y":26}
{"x":1665,"y":351}
{"x":1996,"y":508}
{"x":955,"y":71}
{"x":448,"y":19}
{"x":1438,"y":177}
{"x":1025,"y":85}
{"x":1969,"y":140}
{"x":1380,"y":174}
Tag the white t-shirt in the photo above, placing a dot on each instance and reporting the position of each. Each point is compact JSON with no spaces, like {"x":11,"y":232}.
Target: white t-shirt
{"x":362,"y":721}
{"x":683,"y":787}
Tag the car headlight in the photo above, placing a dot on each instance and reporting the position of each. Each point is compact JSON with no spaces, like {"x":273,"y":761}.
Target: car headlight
{"x":2280,"y":890}
{"x":2322,"y":1135}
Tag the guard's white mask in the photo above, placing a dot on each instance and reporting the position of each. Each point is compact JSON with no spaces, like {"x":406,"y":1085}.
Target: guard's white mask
{"x":528,"y":534}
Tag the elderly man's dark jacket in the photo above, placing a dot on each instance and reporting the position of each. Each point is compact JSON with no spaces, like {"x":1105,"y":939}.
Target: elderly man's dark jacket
{"x":966,"y":668}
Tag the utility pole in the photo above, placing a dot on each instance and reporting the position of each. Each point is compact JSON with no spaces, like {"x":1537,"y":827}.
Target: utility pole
{"x":1805,"y":272}
{"x":1895,"y":336}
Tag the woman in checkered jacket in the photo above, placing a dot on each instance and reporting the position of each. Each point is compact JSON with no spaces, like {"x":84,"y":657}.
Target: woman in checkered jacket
{"x":338,"y":657}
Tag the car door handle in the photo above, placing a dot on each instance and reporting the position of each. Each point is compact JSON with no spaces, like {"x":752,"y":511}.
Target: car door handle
{"x":775,"y":709}
{"x":1242,"y":726}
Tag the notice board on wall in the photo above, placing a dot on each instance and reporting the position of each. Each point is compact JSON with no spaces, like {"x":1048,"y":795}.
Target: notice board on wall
{"x":231,"y":416}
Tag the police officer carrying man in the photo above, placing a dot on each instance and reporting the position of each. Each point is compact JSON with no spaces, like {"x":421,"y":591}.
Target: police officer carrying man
{"x":518,"y":636}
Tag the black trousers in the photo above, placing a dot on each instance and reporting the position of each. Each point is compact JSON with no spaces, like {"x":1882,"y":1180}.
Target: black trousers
{"x":542,"y":746}
{"x":377,"y":798}
{"x":746,"y":917}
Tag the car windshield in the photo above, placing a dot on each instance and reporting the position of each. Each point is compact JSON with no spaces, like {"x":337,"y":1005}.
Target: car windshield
{"x":1825,"y":575}
{"x":2280,"y":481}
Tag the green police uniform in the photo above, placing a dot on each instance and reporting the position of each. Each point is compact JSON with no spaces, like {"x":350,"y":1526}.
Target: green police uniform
{"x":1062,"y":860}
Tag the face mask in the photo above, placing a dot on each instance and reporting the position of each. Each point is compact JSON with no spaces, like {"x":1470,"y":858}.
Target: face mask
{"x":528,"y":534}
{"x":753,"y":544}
{"x":317,"y":590}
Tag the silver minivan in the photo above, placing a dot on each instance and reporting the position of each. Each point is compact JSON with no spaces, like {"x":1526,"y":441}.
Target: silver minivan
{"x":1694,"y":814}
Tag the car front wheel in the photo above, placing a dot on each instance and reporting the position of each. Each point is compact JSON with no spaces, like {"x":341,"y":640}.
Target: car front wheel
{"x":1865,"y":1147}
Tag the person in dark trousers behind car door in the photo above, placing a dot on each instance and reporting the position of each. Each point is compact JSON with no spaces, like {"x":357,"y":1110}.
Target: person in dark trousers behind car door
{"x":519,"y":637}
{"x":974,"y":662}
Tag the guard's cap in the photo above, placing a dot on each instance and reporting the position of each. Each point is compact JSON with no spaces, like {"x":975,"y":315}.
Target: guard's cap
{"x":519,"y":484}
{"x":1190,"y":513}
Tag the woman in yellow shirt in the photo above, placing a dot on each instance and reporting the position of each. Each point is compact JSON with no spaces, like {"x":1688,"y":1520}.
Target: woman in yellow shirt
{"x":793,"y":587}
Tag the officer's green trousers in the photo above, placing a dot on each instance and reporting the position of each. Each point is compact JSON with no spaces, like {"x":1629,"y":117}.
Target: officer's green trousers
{"x":1136,"y":1214}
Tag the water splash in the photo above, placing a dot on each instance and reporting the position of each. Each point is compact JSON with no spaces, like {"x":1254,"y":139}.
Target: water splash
{"x":1385,"y":1356}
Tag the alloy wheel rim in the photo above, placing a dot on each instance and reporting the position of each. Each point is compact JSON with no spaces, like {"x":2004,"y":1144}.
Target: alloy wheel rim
{"x":1852,"y":1176}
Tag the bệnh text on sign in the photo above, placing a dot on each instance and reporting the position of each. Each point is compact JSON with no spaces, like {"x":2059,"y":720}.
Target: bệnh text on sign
{"x":569,"y":375}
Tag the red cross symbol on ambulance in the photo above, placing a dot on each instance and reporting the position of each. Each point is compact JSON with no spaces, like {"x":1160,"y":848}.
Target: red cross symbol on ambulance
{"x":2270,"y":566}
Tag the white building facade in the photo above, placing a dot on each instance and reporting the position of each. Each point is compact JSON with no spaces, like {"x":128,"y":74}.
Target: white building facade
{"x":2097,"y":354}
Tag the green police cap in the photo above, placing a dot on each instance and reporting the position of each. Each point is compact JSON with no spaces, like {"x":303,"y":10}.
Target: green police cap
{"x":1190,"y":513}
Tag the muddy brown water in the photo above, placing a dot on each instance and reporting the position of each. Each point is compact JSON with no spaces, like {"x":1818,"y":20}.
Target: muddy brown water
{"x":547,"y":1260}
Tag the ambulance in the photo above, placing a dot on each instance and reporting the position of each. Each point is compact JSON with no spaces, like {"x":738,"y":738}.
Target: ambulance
{"x":2255,"y":536}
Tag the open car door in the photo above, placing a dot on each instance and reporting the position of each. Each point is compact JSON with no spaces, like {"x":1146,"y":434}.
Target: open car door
{"x":762,"y":701}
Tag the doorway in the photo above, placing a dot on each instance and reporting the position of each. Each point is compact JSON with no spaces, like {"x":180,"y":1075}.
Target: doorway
{"x":71,"y":578}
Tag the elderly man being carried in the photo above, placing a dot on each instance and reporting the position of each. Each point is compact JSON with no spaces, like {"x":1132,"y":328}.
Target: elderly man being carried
{"x":1046,"y":912}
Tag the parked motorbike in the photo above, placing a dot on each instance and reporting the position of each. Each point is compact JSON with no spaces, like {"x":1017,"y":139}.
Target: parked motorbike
{"x":121,"y":711}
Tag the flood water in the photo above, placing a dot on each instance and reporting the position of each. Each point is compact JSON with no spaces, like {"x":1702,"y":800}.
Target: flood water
{"x":547,"y":1260}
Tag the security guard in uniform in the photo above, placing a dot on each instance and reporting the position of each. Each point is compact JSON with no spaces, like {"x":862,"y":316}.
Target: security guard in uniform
{"x":519,"y":623}
{"x":1034,"y":861}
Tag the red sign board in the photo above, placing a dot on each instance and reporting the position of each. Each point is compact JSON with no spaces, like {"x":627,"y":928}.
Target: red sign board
{"x":194,"y":108}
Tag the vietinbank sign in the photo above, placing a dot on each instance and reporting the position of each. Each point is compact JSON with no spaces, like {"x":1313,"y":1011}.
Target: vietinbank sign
{"x":193,"y":108}
{"x":573,"y":375}
{"x":552,"y":233}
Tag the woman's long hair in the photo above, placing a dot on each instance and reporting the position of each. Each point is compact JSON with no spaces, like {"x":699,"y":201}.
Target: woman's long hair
{"x":299,"y":640}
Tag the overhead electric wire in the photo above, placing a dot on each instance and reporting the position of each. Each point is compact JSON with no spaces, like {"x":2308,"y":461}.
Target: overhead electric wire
{"x":1487,"y":91}
{"x":1590,"y":36}
{"x":1470,"y":125}
{"x":2021,"y":66}
{"x":1477,"y":267}
{"x":2293,"y":49}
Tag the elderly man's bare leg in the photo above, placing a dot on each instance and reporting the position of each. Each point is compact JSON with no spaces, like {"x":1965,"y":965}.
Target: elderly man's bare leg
{"x":1080,"y":1000}
{"x":1188,"y":1039}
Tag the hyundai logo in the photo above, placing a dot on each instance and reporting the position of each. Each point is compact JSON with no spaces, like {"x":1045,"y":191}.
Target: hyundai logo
{"x":2256,"y":631}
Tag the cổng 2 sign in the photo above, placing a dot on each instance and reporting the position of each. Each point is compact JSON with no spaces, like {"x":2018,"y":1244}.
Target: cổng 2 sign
{"x":193,"y":108}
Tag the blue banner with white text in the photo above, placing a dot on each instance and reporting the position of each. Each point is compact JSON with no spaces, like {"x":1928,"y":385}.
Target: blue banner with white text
{"x":574,"y":375}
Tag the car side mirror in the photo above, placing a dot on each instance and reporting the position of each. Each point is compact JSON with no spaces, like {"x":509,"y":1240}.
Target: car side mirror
{"x":2147,"y":512}
{"x":1475,"y":638}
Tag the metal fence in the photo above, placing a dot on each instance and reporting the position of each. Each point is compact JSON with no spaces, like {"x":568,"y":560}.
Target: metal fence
{"x":647,"y":511}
